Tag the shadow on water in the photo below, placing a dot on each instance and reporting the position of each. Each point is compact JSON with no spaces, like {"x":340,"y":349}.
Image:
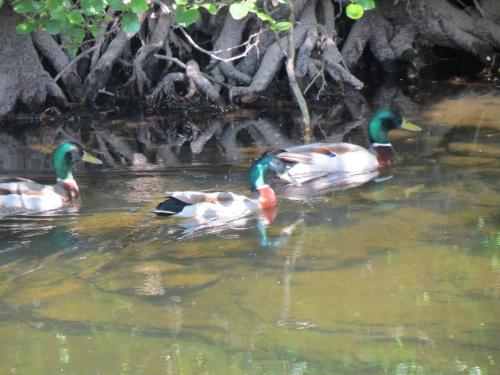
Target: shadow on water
{"x":394,"y":272}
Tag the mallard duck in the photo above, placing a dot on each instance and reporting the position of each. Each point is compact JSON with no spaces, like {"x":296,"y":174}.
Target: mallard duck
{"x":19,"y":194}
{"x":308,"y":162}
{"x":226,"y":205}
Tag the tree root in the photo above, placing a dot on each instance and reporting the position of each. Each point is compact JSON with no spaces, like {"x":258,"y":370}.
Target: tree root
{"x":397,"y":32}
{"x":100,"y":74}
{"x":102,"y":38}
{"x":26,"y":83}
{"x":165,"y":89}
{"x":202,"y":83}
{"x":158,"y":38}
{"x":229,"y":37}
{"x":272,"y":58}
{"x":392,"y":31}
{"x":333,"y":61}
{"x":443,"y":24}
{"x":59,"y":60}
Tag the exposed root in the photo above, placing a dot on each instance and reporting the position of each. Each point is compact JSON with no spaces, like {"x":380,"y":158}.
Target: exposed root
{"x":290,"y":70}
{"x":241,"y":57}
{"x":165,"y":89}
{"x":333,"y":61}
{"x":22,"y":77}
{"x":202,"y":83}
{"x":229,"y":37}
{"x":305,"y":50}
{"x":273,"y":57}
{"x":100,"y":74}
{"x":99,"y":43}
{"x":139,"y":76}
{"x":59,"y":60}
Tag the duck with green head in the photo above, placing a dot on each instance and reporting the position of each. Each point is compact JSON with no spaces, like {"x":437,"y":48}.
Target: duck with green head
{"x":311,"y":161}
{"x":24,"y":195}
{"x":226,"y":205}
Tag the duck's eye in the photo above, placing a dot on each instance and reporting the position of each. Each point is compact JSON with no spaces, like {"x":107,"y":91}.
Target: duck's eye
{"x":76,"y":154}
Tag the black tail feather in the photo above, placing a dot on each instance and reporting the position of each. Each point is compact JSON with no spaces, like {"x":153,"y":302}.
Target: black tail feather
{"x":171,"y":206}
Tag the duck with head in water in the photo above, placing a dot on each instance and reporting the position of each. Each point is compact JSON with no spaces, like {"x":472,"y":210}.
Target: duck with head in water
{"x":311,"y":161}
{"x":22,"y":195}
{"x":225,"y":205}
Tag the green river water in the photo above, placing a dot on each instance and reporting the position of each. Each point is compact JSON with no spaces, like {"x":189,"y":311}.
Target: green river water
{"x":398,"y":276}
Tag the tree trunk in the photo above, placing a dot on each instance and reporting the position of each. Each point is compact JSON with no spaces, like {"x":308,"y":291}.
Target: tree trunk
{"x":23,"y":80}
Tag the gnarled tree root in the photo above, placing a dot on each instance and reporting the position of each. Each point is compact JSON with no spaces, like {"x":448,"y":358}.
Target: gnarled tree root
{"x":23,"y":79}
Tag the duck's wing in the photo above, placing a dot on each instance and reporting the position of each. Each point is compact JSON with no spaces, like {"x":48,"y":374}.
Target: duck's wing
{"x":13,"y":179}
{"x":327,"y":149}
{"x":195,"y":197}
{"x":199,"y":203}
{"x":28,"y":195}
{"x":307,"y":162}
{"x":22,"y":186}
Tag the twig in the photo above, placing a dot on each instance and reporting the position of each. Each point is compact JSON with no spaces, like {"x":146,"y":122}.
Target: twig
{"x":173,"y":59}
{"x":478,"y":7}
{"x":212,"y":53}
{"x":321,"y":73}
{"x":75,"y":60}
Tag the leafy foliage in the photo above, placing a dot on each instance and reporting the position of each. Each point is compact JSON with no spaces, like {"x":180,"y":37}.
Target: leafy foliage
{"x":354,"y":11}
{"x":78,"y":20}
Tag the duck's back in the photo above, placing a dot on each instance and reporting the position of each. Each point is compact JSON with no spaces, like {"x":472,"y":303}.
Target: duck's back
{"x":314,"y":160}
{"x":28,"y":195}
{"x":206,"y":205}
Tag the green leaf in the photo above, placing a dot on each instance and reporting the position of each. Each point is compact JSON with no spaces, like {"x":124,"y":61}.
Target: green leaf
{"x":281,"y":26}
{"x":211,"y":8}
{"x":92,"y":7}
{"x":252,"y":7}
{"x":72,"y":49}
{"x":58,"y":13}
{"x":181,"y":2}
{"x":139,"y":6}
{"x":366,"y":4}
{"x":238,"y":10}
{"x":130,"y":23}
{"x":54,"y":26}
{"x":76,"y":32}
{"x":1,"y":3}
{"x":23,"y":7}
{"x":94,"y":29}
{"x":75,"y":17}
{"x":24,"y":28}
{"x":354,"y":11}
{"x":57,"y":10}
{"x":266,"y":17}
{"x":116,"y":4}
{"x":38,"y":7}
{"x":185,"y":17}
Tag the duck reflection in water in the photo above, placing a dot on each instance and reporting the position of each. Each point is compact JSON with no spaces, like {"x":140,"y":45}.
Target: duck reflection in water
{"x":191,"y":228}
{"x":328,"y":184}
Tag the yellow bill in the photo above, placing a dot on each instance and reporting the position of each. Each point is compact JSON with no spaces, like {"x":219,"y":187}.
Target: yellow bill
{"x":90,"y":159}
{"x":410,"y":126}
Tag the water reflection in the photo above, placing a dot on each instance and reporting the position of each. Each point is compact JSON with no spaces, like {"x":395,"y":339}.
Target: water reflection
{"x":397,"y":275}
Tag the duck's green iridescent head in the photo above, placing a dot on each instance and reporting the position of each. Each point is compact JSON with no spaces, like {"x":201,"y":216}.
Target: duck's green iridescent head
{"x":385,"y":120}
{"x":65,"y":155}
{"x":267,"y":163}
